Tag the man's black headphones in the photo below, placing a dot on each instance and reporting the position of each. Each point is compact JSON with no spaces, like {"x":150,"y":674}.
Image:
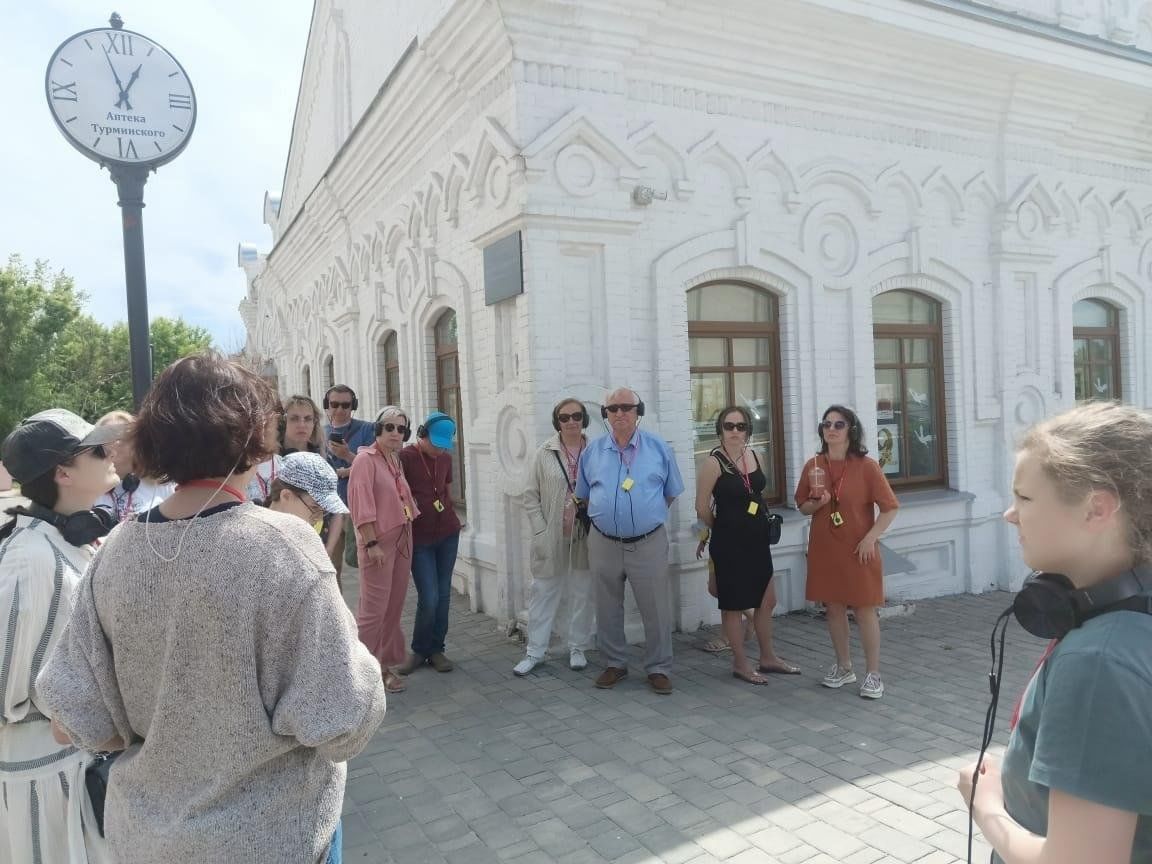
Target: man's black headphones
{"x":378,"y":429}
{"x":639,"y":407}
{"x":423,"y":431}
{"x":556,"y":410}
{"x":1050,"y":606}
{"x":79,"y":528}
{"x":343,"y":389}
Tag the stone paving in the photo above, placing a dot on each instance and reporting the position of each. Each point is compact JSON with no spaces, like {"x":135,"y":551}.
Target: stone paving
{"x":478,"y":766}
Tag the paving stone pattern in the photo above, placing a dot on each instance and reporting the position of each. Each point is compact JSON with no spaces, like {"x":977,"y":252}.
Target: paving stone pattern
{"x":478,"y":766}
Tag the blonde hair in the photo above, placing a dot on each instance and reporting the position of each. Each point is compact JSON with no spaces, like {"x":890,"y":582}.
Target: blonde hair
{"x":115,"y":417}
{"x":1101,"y":445}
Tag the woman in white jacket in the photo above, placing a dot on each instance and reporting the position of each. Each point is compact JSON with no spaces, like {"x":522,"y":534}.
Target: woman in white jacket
{"x":560,"y":541}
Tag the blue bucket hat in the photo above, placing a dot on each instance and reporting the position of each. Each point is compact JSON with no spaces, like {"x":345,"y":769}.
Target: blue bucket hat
{"x":440,"y":429}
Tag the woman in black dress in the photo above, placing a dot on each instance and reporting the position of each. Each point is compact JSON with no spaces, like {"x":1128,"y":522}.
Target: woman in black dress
{"x":729,"y":500}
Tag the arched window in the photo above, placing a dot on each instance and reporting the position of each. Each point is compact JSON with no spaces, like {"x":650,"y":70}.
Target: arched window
{"x":734,"y":359}
{"x":387,"y":370}
{"x":448,"y":394}
{"x":306,"y":375}
{"x":908,"y":342}
{"x":1096,"y":350}
{"x":329,"y":373}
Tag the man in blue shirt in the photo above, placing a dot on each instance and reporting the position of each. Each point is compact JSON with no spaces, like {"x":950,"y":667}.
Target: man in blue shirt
{"x":629,"y":478}
{"x":345,"y":435}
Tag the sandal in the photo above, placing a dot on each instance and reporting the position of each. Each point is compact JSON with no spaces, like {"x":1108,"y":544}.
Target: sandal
{"x":393,"y":683}
{"x":780,"y":667}
{"x":751,"y":678}
{"x":714,"y":646}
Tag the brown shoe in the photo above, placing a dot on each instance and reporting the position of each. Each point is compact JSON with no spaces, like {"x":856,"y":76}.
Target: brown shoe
{"x":659,"y":683}
{"x":610,"y":677}
{"x":441,"y":663}
{"x":414,"y":662}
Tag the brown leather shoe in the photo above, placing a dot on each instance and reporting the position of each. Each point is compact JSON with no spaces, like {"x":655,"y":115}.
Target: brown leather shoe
{"x":414,"y":662}
{"x":659,"y":683}
{"x":610,"y":677}
{"x":441,"y":663}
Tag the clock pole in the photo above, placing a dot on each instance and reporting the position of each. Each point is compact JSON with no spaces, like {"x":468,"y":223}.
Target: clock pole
{"x":130,"y":182}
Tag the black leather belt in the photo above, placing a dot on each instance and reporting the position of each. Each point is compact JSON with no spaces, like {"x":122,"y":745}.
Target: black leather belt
{"x":635,"y":539}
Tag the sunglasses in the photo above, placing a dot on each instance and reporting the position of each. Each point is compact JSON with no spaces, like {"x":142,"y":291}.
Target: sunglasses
{"x":395,"y":427}
{"x":734,"y":427}
{"x":835,"y":424}
{"x":612,"y":409}
{"x":346,"y":406}
{"x":575,"y":415}
{"x":99,"y":451}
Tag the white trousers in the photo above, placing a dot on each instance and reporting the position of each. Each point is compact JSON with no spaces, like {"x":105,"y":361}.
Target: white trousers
{"x":544,"y":599}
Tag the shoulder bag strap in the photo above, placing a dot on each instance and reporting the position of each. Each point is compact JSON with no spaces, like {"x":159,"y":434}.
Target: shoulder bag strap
{"x":564,"y":471}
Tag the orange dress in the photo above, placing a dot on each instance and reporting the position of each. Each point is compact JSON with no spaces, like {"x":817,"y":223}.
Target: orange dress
{"x":835,"y":574}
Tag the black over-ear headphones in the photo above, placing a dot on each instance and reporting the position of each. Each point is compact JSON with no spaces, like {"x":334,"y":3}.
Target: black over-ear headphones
{"x":639,"y":407}
{"x":378,"y":429}
{"x":79,"y":528}
{"x":422,"y":431}
{"x":744,"y":412}
{"x":1050,"y":606}
{"x":355,"y":401}
{"x":585,"y":419}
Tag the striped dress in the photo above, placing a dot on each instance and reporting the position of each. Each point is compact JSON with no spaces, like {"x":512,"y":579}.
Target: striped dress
{"x":45,"y":815}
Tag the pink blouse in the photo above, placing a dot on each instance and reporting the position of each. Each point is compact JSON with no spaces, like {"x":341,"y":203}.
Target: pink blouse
{"x":378,"y":493}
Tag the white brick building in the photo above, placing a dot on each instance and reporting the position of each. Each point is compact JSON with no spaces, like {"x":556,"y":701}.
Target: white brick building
{"x":717,"y":202}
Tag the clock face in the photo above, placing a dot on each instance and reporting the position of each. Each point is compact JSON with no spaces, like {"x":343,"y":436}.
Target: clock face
{"x":119,"y":97}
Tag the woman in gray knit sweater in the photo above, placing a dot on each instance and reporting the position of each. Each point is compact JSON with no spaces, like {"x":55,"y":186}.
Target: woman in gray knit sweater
{"x":238,"y":687}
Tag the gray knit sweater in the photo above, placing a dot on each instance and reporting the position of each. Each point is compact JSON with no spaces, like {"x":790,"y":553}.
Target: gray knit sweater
{"x":237,"y":677}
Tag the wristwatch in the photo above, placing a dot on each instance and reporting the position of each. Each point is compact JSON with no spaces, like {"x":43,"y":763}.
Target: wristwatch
{"x":371,"y":543}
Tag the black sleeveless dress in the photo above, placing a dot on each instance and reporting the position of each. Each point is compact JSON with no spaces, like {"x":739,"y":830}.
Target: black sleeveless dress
{"x":739,"y":548}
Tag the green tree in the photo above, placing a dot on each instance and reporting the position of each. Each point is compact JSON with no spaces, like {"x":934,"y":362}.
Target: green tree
{"x":54,"y":355}
{"x":36,"y":307}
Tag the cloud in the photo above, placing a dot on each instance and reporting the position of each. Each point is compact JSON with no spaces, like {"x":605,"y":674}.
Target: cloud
{"x":244,"y":62}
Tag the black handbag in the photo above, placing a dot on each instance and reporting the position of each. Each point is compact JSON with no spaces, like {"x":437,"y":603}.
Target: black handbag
{"x":96,"y":782}
{"x":775,"y":526}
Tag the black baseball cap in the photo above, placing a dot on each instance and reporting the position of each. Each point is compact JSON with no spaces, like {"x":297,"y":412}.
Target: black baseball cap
{"x":44,"y":440}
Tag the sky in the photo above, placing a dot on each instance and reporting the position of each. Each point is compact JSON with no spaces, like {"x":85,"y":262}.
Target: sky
{"x":243,"y":58}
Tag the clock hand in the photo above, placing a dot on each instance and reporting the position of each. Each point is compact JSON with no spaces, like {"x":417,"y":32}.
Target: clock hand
{"x":120,"y":86}
{"x":131,"y":81}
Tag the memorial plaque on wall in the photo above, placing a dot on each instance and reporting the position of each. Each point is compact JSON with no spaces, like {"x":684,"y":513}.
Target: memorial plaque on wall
{"x":503,"y":269}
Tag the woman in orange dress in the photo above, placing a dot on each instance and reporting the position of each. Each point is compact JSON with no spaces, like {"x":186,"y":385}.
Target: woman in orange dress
{"x":841,"y":488}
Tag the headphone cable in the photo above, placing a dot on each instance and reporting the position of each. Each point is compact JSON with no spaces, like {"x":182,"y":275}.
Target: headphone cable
{"x":995,"y":678}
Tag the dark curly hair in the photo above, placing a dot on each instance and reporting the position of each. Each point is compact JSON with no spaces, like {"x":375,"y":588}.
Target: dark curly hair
{"x":856,"y":445}
{"x":205,"y":416}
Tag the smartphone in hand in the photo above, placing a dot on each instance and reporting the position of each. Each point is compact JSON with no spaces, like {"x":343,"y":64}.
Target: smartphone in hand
{"x":336,"y":437}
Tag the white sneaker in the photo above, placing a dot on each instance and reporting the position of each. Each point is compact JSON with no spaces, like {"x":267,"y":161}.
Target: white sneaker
{"x":838,"y":676}
{"x":526,"y":665}
{"x":873,"y":687}
{"x":577,"y":660}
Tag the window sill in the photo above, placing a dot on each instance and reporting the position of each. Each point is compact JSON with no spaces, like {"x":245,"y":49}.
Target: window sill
{"x":924,"y":497}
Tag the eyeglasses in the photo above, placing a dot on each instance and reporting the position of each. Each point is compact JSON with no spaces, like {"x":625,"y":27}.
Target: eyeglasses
{"x":838,"y":425}
{"x":735,"y":427}
{"x":99,"y":451}
{"x":315,"y":512}
{"x":346,"y":406}
{"x":578,"y":416}
{"x":612,"y":409}
{"x":395,"y":427}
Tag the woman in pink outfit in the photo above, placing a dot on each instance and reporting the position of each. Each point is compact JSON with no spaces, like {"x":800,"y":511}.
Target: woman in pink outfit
{"x":382,"y":510}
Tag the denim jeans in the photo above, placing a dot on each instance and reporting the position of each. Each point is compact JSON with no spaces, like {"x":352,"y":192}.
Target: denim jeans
{"x":336,"y":850}
{"x":432,"y":565}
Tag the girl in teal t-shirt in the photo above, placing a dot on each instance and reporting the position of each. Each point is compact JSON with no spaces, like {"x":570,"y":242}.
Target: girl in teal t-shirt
{"x":1076,"y":781}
